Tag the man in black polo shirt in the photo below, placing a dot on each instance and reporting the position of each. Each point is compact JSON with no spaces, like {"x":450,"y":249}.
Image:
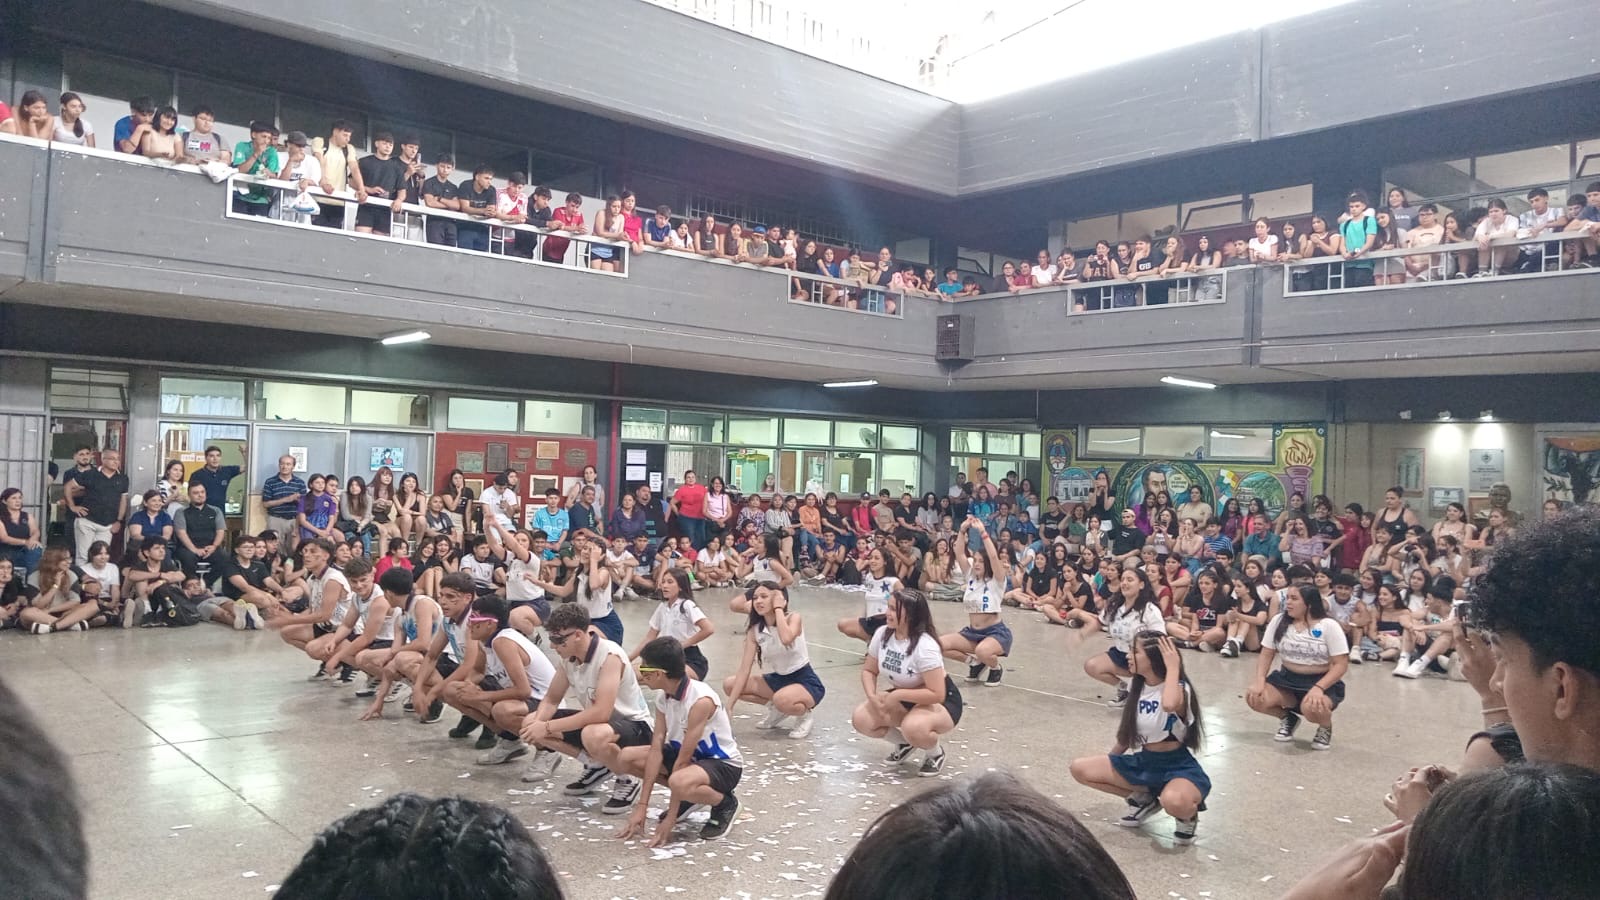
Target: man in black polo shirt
{"x":439,"y":192}
{"x":200,"y":529}
{"x":215,"y":477}
{"x":1126,"y":540}
{"x":480,"y":200}
{"x":100,"y":498}
{"x":655,"y":521}
{"x":385,"y":178}
{"x":1050,"y":523}
{"x":82,"y":464}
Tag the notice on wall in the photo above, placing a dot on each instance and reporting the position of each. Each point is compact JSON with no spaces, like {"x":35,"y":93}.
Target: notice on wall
{"x":300,"y":459}
{"x":496,"y":456}
{"x":635,"y":473}
{"x":1487,"y":468}
{"x":469,"y":461}
{"x":548,"y":449}
{"x":655,"y":481}
{"x":638,"y":458}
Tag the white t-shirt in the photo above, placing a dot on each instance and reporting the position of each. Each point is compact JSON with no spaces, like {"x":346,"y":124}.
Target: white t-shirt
{"x":597,"y":602}
{"x":1268,"y":247}
{"x":386,"y":628}
{"x":481,"y":570}
{"x":1487,"y":229}
{"x":583,"y":676}
{"x":903,"y":661}
{"x":983,"y":596}
{"x":494,"y":500}
{"x":878,"y":591}
{"x":1530,"y":218}
{"x":1122,"y":624}
{"x":716,"y":740}
{"x":519,"y":579}
{"x":679,"y":621}
{"x":1044,"y":275}
{"x":65,"y":135}
{"x":1154,"y":724}
{"x":1342,"y":612}
{"x":315,"y":586}
{"x":107,"y":575}
{"x":539,"y":669}
{"x":1311,"y":647}
{"x":778,"y":659}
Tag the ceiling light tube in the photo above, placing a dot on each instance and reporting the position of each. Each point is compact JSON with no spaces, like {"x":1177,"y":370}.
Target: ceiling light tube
{"x":405,"y":337}
{"x":1187,"y":382}
{"x":864,"y":382}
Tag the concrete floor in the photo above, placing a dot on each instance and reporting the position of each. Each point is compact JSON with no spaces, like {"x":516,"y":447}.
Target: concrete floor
{"x":208,"y":763}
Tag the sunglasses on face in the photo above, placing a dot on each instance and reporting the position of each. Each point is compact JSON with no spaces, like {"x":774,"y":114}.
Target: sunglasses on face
{"x":557,"y":640}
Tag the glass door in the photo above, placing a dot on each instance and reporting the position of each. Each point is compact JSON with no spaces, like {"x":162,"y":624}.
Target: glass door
{"x":314,"y":450}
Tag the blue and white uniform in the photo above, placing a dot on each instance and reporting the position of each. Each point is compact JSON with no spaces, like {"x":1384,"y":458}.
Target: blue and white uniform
{"x":878,"y":591}
{"x":1122,"y":624}
{"x":983,"y":597}
{"x":782,"y":665}
{"x":1154,"y":769}
{"x":906,"y":662}
{"x":597,"y":604}
{"x":681,"y":621}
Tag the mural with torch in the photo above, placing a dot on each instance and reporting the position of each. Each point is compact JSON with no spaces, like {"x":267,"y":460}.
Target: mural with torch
{"x":1299,"y":465}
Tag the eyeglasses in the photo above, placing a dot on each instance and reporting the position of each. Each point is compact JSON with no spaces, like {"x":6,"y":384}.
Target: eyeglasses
{"x":557,"y":640}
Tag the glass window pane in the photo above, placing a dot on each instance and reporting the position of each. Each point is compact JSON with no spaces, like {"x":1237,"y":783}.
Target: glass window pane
{"x":479,"y":414}
{"x":855,"y":434}
{"x":1233,"y":442}
{"x":803,"y":471}
{"x":287,"y":401}
{"x":1174,"y":442}
{"x":107,"y":83}
{"x":1111,"y":442}
{"x":849,"y":474}
{"x":705,"y":461}
{"x":966,"y":441}
{"x":902,"y":437}
{"x":642,"y":423}
{"x":430,"y":141}
{"x":1588,"y":159}
{"x":186,"y":442}
{"x":752,"y":430}
{"x":748,"y":469}
{"x":406,"y":409}
{"x":1215,"y":211}
{"x":898,"y":473}
{"x":1030,"y":446}
{"x":1534,"y":165}
{"x":234,"y":107}
{"x":202,"y":397}
{"x":473,"y":151}
{"x":815,"y":432}
{"x":555,"y":417}
{"x":697,"y":427}
{"x":564,"y":174}
{"x":314,"y":118}
{"x":1147,"y":221}
{"x":1281,"y":203}
{"x":1002,"y":443}
{"x":1082,"y":233}
{"x":96,"y":390}
{"x":1439,"y":178}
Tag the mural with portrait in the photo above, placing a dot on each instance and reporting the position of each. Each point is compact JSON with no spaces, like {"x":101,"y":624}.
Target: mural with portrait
{"x":1298,"y":466}
{"x":1569,"y":470}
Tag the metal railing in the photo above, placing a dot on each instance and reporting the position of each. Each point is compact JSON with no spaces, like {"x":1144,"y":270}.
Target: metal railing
{"x":435,"y":228}
{"x":1207,"y":285}
{"x":843,"y":294}
{"x":1524,"y":257}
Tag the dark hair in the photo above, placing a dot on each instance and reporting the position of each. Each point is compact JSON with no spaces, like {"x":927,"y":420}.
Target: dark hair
{"x":411,"y":847}
{"x":1149,"y":643}
{"x":166,"y":111}
{"x":445,"y":159}
{"x":77,"y":124}
{"x":685,"y":586}
{"x":356,"y":568}
{"x":1527,"y":830}
{"x":495,"y":607}
{"x":1316,"y":609}
{"x":39,"y":803}
{"x":482,"y":169}
{"x":1360,"y":196}
{"x":985,"y":837}
{"x":1544,"y":574}
{"x":397,"y":580}
{"x":666,"y":654}
{"x":462,"y":583}
{"x":566,"y":617}
{"x":756,"y":620}
{"x":142,"y":105}
{"x":918,"y":617}
{"x":1344,"y":579}
{"x":150,"y":541}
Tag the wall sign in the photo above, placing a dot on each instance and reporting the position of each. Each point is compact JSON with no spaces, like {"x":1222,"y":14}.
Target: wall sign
{"x":1487,"y":467}
{"x":1441,"y":497}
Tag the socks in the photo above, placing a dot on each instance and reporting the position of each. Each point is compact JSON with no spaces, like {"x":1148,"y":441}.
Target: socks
{"x":895,"y":736}
{"x":508,"y":736}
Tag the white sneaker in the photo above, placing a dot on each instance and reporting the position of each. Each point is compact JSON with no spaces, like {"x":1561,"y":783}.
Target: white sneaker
{"x":399,"y":691}
{"x":542,"y":766}
{"x":774,"y":716}
{"x":253,"y":618}
{"x":1401,"y":663}
{"x":1414,"y":670}
{"x":802,"y":728}
{"x":239,"y":607}
{"x":1355,"y":657}
{"x":503,"y":751}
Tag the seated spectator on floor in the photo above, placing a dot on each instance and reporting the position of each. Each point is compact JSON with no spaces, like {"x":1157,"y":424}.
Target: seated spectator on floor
{"x":1426,"y":233}
{"x":48,"y":856}
{"x":200,"y":528}
{"x":511,"y":205}
{"x":384,"y":177}
{"x":201,"y":144}
{"x":990,"y":836}
{"x":130,"y":130}
{"x":569,"y":218}
{"x":478,"y":199}
{"x":439,"y":192}
{"x":258,"y":157}
{"x":1495,"y":258}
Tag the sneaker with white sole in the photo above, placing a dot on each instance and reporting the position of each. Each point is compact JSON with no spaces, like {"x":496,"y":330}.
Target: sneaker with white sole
{"x":1287,"y":723}
{"x":898,"y":754}
{"x":802,"y":728}
{"x":369,"y":688}
{"x":1414,"y":670}
{"x":1403,"y":661}
{"x":1204,"y":647}
{"x":975,"y":672}
{"x":238,"y":615}
{"x":502,"y":752}
{"x":1323,"y":739}
{"x":1120,"y":699}
{"x":587,"y":782}
{"x":1138,"y":814}
{"x":932,"y":764}
{"x":320,"y":675}
{"x":723,"y":815}
{"x":994,"y":678}
{"x":624,"y":793}
{"x":1183,"y":832}
{"x":1355,"y":657}
{"x":398,"y":691}
{"x":774,"y":716}
{"x":541,"y":766}
{"x":253,"y":619}
{"x":1230,"y":648}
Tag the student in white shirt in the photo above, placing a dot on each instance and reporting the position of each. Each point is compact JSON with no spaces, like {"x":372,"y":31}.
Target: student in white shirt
{"x":1497,"y":225}
{"x":922,"y":701}
{"x":987,"y":638}
{"x":1264,"y":246}
{"x":1131,"y":609}
{"x":880,"y":582}
{"x":328,"y":596}
{"x":787,"y":685}
{"x":509,"y":677}
{"x":417,"y":620}
{"x":690,"y":714}
{"x":1314,"y":655}
{"x":1152,"y":764}
{"x":680,"y":619}
{"x":523,"y":552}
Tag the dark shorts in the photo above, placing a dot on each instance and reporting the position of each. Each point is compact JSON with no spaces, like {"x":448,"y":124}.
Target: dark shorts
{"x":610,"y":625}
{"x":696,"y":660}
{"x":805,"y":676}
{"x":1297,"y":686}
{"x":375,"y":217}
{"x":1153,"y":769}
{"x":1118,"y":657}
{"x":952,"y":700}
{"x":1000,"y":631}
{"x":380,"y":645}
{"x":323,"y":628}
{"x":541,"y":607}
{"x":446,"y":666}
{"x":630,"y":732}
{"x":722,"y":775}
{"x":871,"y":624}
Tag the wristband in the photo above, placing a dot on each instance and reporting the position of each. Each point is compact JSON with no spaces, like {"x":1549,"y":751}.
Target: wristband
{"x":1487,"y":710}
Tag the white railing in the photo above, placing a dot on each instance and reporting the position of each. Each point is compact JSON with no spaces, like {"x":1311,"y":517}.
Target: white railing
{"x":843,"y":294}
{"x":1207,"y":285}
{"x":1530,"y":257}
{"x":410,"y":225}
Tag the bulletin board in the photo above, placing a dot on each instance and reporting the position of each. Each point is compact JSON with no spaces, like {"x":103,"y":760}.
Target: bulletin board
{"x":474,"y":453}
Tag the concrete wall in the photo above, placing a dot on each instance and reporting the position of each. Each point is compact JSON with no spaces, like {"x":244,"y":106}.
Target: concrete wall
{"x":1367,"y":468}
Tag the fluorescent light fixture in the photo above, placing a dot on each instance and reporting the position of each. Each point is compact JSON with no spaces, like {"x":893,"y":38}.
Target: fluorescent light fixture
{"x":1486,"y":415}
{"x":405,"y":337}
{"x":864,"y":382}
{"x":1444,"y":415}
{"x":1187,"y":382}
{"x":1227,"y":434}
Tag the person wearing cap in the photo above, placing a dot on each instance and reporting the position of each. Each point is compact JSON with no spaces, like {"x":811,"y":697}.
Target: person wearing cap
{"x":1432,"y":634}
{"x":256,"y":156}
{"x":301,"y":167}
{"x":385,"y":178}
{"x":755,"y":247}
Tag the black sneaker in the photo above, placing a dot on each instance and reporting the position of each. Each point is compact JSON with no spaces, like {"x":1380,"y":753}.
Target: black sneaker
{"x":587,"y":782}
{"x":486,"y":739}
{"x":624,"y":793}
{"x":975,"y":672}
{"x":723,"y":815}
{"x":931,"y":765}
{"x":994,"y":678}
{"x":434,"y":712}
{"x":898,"y":754}
{"x":464,"y":728}
{"x":684,"y":808}
{"x":1120,"y":699}
{"x":1286,"y":726}
{"x":320,"y":674}
{"x":1183,"y":832}
{"x":347,"y":673}
{"x":1136,"y":816}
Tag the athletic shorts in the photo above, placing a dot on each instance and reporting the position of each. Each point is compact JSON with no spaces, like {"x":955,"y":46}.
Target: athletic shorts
{"x":380,"y":645}
{"x":446,"y":666}
{"x":722,"y":775}
{"x":1000,"y":631}
{"x":541,"y":607}
{"x":952,"y":700}
{"x":375,"y":217}
{"x":323,"y":628}
{"x":1119,"y":658}
{"x":871,"y":624}
{"x":209,"y":606}
{"x":696,"y":660}
{"x":1297,"y":686}
{"x":805,"y":676}
{"x":630,"y":732}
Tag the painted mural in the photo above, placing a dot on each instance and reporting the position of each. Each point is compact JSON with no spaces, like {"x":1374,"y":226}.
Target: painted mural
{"x":1569,"y":470}
{"x":1299,"y":466}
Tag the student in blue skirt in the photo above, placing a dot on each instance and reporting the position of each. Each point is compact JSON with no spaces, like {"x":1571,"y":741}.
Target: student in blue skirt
{"x":1151,"y":764}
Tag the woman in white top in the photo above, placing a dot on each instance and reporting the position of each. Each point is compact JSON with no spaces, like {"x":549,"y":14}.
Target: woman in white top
{"x":104,"y":574}
{"x":787,"y":684}
{"x":714,"y":565}
{"x":591,"y":587}
{"x":589,"y":478}
{"x":987,"y":638}
{"x":1152,"y":764}
{"x":523,"y":552}
{"x":1264,"y":246}
{"x":680,"y":619}
{"x":71,"y":126}
{"x":508,"y":659}
{"x":922,"y":701}
{"x":1132,"y":608}
{"x":174,"y":489}
{"x":1314,"y":654}
{"x":764,"y":567}
{"x":879,"y":583}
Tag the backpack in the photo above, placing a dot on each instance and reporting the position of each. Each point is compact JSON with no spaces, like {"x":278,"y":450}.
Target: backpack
{"x":170,"y":607}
